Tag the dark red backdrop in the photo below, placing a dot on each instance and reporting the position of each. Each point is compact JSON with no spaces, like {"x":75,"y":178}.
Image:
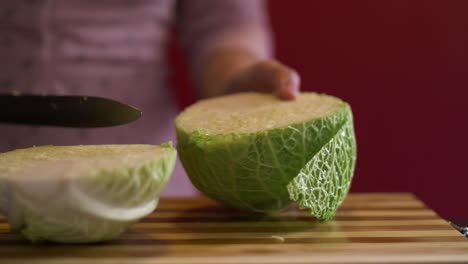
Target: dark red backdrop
{"x":403,"y":66}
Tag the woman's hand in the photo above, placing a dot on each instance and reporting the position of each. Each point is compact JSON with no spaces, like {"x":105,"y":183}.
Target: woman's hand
{"x":232,"y":71}
{"x":268,"y":76}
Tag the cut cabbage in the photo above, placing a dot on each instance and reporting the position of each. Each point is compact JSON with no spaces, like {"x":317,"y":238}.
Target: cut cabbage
{"x":256,"y":152}
{"x":80,"y":194}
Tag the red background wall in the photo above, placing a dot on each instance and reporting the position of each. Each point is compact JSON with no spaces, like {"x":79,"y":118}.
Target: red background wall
{"x":403,"y":66}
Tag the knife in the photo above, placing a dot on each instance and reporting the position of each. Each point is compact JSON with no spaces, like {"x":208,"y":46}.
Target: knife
{"x":460,"y":226}
{"x":65,"y":111}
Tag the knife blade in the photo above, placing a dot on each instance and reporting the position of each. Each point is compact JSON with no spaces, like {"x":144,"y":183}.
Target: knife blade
{"x":460,"y":226}
{"x":65,"y":111}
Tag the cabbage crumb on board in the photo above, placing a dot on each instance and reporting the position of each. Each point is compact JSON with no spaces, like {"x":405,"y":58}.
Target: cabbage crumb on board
{"x":81,"y":194}
{"x":256,"y":152}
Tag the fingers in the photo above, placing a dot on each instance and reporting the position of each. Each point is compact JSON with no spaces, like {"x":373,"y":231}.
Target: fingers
{"x":268,"y":76}
{"x":288,"y":86}
{"x":272,"y":76}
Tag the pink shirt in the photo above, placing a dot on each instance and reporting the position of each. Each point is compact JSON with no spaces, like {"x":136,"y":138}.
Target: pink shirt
{"x":116,"y":49}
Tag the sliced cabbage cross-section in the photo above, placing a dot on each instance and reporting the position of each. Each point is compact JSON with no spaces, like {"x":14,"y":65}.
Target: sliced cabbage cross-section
{"x":80,"y":194}
{"x":255,"y":152}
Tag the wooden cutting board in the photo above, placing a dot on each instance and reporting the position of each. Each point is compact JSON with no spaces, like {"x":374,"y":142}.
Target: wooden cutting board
{"x":371,"y":228}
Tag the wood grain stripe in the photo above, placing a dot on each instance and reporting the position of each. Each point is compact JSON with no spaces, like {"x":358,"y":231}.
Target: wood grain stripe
{"x":345,"y":206}
{"x":291,"y":223}
{"x":273,"y":229}
{"x":220,"y":209}
{"x":289,"y":226}
{"x":357,"y":213}
{"x":274,"y":236}
{"x":183,"y":219}
{"x":335,"y":223}
{"x":263,"y":241}
{"x":388,"y":259}
{"x":268,"y":250}
{"x":287,"y":216}
{"x":237,"y":229}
